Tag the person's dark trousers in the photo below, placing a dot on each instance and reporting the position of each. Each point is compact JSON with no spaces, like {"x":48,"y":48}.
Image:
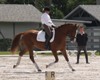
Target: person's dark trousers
{"x":79,"y":52}
{"x":48,"y":36}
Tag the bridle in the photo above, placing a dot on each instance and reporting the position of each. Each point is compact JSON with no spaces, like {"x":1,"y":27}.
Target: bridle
{"x":75,"y":35}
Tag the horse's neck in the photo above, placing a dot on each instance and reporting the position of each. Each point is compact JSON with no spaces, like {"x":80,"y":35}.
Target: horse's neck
{"x":61,"y":33}
{"x":62,"y":30}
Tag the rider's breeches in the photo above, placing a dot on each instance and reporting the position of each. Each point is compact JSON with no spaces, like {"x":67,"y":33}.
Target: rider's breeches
{"x":47,"y":30}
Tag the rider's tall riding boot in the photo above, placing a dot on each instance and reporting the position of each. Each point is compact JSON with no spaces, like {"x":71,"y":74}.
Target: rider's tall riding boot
{"x":47,"y":43}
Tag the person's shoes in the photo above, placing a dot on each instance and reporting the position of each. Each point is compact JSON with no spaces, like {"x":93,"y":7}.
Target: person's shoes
{"x":77,"y":62}
{"x":87,"y":63}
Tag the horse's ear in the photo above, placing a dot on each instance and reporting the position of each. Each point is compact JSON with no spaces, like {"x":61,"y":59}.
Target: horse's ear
{"x":76,"y":25}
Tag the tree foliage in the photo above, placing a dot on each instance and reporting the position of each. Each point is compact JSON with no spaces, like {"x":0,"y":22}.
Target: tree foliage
{"x":67,"y":5}
{"x":40,"y":4}
{"x":3,"y":1}
{"x":74,"y":3}
{"x":20,"y":2}
{"x":56,"y":13}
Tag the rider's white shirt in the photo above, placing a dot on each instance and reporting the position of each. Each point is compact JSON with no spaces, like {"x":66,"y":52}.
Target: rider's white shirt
{"x":45,"y":19}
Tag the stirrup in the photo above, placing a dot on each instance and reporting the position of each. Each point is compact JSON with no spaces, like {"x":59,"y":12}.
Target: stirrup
{"x":47,"y":47}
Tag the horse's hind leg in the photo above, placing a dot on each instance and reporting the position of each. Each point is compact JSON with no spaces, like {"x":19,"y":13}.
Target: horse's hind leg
{"x":18,"y":62}
{"x":19,"y":59}
{"x":32,"y":59}
{"x":56,"y":59}
{"x":66,"y":57}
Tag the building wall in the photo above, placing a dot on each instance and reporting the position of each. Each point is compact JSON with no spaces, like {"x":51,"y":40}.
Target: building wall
{"x":94,"y":37}
{"x":98,"y":2}
{"x":9,"y":30}
{"x":6,"y":29}
{"x":21,"y":27}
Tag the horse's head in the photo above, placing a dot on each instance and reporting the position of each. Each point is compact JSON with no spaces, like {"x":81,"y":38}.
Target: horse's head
{"x":73,"y":31}
{"x":69,"y":30}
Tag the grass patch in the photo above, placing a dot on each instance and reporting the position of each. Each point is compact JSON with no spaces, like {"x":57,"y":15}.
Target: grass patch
{"x":5,"y":53}
{"x":44,"y":54}
{"x":98,"y":53}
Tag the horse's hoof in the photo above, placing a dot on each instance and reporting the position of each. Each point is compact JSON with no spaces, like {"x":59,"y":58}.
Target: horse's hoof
{"x":47,"y":66}
{"x":14,"y":66}
{"x":73,"y":69}
{"x":39,"y":70}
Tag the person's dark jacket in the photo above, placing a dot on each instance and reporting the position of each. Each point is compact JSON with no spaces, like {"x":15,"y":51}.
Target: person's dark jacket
{"x":81,"y":39}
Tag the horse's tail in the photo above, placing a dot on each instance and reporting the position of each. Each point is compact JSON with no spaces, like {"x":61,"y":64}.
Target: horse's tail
{"x":15,"y":43}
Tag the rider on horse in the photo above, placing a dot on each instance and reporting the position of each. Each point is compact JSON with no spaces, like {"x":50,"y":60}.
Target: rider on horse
{"x":47,"y":25}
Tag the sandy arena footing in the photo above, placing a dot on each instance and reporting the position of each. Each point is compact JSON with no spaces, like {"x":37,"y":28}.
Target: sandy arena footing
{"x":27,"y":71}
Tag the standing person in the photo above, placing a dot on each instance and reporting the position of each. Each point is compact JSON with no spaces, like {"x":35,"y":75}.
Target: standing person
{"x":81,"y":40}
{"x":47,"y":25}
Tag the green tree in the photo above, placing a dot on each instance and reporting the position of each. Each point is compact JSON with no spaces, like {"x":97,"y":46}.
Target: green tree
{"x":68,"y":5}
{"x":3,"y":1}
{"x":74,"y":3}
{"x":20,"y":2}
{"x":61,"y":5}
{"x":56,"y":13}
{"x":40,"y":4}
{"x":59,"y":8}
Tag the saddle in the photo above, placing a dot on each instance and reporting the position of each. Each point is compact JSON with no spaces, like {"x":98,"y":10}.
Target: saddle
{"x":41,"y":36}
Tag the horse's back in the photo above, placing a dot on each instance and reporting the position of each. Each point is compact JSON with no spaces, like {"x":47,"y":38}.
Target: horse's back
{"x":30,"y":35}
{"x":31,"y":31}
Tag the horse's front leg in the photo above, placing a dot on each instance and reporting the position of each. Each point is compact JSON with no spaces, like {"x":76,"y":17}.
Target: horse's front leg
{"x":56,"y":59}
{"x":66,"y":58}
{"x":32,"y":59}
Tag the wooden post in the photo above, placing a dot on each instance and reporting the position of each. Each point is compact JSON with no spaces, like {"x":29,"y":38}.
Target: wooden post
{"x":49,"y":75}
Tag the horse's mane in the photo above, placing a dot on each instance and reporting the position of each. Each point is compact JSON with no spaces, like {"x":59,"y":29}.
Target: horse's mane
{"x":66,"y":24}
{"x":62,"y":25}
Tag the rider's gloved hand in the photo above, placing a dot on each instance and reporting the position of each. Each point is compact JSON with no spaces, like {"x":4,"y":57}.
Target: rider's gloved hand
{"x":53,"y":26}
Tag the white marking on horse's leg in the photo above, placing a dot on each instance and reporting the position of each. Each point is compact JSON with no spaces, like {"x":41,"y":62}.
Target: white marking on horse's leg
{"x":18,"y":62}
{"x":50,"y":64}
{"x":70,"y":66}
{"x":34,"y":53}
{"x":37,"y":67}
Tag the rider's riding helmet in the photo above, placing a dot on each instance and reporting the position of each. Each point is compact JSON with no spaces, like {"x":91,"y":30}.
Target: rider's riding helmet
{"x":46,"y":9}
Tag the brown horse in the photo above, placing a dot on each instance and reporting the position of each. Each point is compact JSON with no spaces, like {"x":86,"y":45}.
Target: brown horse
{"x":26,"y":41}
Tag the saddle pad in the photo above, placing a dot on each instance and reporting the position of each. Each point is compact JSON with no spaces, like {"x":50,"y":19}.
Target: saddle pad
{"x":41,"y":36}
